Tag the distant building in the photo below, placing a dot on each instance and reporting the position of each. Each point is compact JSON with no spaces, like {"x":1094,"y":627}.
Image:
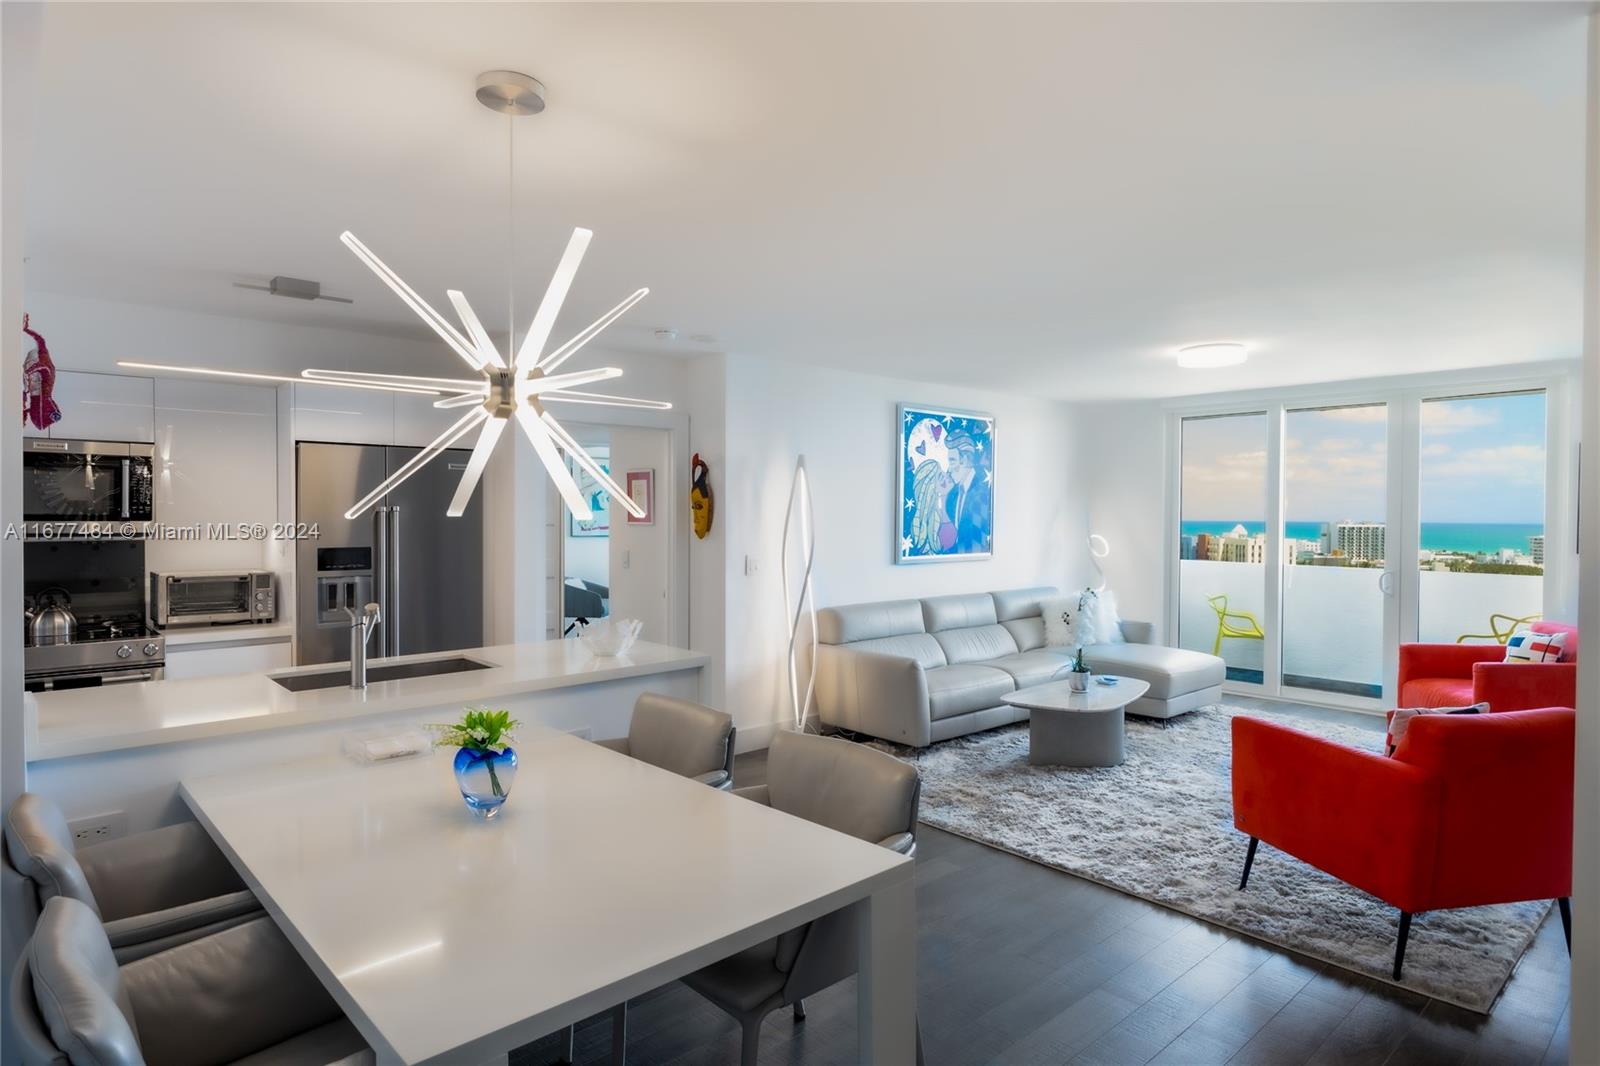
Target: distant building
{"x":1207,"y":546}
{"x":1186,"y":545}
{"x":1536,"y":549}
{"x":1240,"y":547}
{"x":1360,"y":542}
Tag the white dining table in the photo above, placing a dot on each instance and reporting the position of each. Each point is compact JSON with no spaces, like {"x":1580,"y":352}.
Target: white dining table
{"x":448,"y":938}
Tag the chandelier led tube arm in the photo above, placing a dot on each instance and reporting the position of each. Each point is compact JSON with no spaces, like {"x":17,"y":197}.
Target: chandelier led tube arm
{"x":488,"y":437}
{"x":418,"y":390}
{"x":589,"y":332}
{"x":479,"y":335}
{"x":416,"y":381}
{"x":544,"y":319}
{"x":464,"y":400}
{"x":448,"y":333}
{"x":604,"y":400}
{"x":462,"y":427}
{"x":580,"y":455}
{"x":539,"y":437}
{"x":559,"y":382}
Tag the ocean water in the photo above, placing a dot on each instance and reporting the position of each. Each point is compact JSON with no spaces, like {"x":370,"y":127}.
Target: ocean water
{"x":1471,"y":537}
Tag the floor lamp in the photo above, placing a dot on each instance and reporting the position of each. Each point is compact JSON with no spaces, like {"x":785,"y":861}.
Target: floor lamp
{"x":798,"y":600}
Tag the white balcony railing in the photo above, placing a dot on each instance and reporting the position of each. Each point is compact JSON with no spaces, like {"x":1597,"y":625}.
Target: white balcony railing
{"x":1333,"y":617}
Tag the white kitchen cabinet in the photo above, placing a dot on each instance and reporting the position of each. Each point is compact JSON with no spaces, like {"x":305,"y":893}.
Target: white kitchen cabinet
{"x":343,"y":416}
{"x":104,"y":407}
{"x":215,"y":660}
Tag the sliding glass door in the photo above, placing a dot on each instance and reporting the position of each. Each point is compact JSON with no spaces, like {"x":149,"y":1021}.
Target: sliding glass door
{"x":1482,"y":541}
{"x":1397,"y":516}
{"x":1222,"y":541}
{"x":1335,"y":488}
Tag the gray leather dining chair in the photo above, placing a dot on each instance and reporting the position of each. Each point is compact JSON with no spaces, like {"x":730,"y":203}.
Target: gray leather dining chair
{"x":152,"y":890}
{"x":240,"y":996}
{"x":684,"y":737}
{"x":844,"y":786}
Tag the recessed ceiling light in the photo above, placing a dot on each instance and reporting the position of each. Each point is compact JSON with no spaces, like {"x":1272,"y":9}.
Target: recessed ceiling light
{"x":1207,"y":356}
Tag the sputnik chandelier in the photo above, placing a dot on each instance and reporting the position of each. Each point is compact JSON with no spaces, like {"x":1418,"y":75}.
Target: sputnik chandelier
{"x":510,"y":386}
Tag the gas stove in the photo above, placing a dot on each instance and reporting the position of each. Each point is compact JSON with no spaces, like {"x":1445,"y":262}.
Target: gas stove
{"x":105,"y":650}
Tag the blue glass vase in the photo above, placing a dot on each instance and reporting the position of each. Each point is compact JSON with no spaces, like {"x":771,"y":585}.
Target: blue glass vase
{"x":485,"y":778}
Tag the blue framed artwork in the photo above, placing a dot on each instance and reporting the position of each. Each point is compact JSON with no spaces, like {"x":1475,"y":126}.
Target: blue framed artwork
{"x":599,"y":499}
{"x":945,"y":511}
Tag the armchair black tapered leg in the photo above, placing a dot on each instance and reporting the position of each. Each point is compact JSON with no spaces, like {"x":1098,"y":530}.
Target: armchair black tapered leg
{"x":1566,"y":920}
{"x":799,"y":1010}
{"x":1400,"y":946}
{"x":1249,"y":860}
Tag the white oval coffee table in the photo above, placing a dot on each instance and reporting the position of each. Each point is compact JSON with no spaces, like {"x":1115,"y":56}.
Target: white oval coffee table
{"x":1067,"y":728}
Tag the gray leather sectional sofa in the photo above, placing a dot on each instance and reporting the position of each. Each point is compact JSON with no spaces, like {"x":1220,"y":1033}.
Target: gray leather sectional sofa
{"x":918,"y":671}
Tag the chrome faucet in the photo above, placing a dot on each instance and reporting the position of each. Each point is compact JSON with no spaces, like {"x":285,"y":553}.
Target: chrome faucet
{"x":360,"y":630}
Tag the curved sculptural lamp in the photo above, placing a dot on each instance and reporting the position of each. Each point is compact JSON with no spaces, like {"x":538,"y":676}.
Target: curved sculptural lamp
{"x":797,"y":597}
{"x":1099,"y":548}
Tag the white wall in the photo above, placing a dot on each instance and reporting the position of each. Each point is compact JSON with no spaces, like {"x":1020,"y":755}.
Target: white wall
{"x":1120,"y":486}
{"x":845,"y":423}
{"x":641,"y":555}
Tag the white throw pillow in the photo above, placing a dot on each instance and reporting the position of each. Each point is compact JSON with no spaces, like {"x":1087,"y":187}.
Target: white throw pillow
{"x":1061,"y":623}
{"x":1098,"y":622}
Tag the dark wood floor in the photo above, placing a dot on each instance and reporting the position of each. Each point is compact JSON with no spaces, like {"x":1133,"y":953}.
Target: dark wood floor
{"x":1022,"y":964}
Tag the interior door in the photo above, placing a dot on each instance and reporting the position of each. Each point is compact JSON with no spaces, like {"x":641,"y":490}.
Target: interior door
{"x":436,"y":562}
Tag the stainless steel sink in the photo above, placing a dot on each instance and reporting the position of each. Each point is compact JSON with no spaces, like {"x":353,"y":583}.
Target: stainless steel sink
{"x":338,"y":677}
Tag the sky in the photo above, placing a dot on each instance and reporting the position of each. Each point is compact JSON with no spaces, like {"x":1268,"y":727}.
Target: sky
{"x":1482,"y":461}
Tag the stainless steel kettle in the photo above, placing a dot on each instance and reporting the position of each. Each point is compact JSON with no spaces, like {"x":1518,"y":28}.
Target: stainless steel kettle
{"x":54,"y":622}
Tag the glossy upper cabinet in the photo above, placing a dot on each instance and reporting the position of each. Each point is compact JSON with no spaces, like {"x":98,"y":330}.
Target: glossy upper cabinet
{"x":361,"y":416}
{"x":101,"y":407}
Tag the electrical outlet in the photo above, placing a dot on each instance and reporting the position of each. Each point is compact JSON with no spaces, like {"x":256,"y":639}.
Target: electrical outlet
{"x":97,"y":828}
{"x":752,"y":566}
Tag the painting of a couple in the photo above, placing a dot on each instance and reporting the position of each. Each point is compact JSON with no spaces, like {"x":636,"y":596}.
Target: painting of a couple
{"x":946,"y":485}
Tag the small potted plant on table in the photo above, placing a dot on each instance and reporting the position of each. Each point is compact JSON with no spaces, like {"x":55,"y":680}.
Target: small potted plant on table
{"x":485,"y":765}
{"x":1078,"y":679}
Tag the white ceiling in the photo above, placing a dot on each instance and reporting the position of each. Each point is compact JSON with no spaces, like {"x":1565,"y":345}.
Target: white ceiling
{"x":1032,"y":197}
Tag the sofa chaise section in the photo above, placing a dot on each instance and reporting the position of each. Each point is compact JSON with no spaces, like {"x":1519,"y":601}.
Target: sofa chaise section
{"x":918,"y":671}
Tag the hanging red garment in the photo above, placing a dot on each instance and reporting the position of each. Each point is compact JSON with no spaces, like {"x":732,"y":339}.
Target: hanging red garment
{"x":38,"y":381}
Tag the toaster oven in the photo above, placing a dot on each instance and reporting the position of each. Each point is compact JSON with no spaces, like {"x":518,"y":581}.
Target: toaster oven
{"x":212,"y":596}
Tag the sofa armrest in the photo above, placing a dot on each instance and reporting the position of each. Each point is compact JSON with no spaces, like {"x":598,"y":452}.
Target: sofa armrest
{"x":1444,"y":660}
{"x":1365,"y":819}
{"x":1525,"y":686}
{"x":156,"y":871}
{"x":1138,"y":632}
{"x":870,"y":692}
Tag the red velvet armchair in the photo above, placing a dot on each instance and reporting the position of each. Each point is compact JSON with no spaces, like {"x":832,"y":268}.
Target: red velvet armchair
{"x":1456,"y":675}
{"x":1470,"y":810}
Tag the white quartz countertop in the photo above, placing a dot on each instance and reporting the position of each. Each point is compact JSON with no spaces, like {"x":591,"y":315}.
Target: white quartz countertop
{"x":190,"y":636}
{"x":86,"y":721}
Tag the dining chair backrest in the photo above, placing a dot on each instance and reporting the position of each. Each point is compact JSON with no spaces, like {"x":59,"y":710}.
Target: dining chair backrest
{"x":680,"y":736}
{"x":68,"y":999}
{"x":39,"y":846}
{"x":849,"y":787}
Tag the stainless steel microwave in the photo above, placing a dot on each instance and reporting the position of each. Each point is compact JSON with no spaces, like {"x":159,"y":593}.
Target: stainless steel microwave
{"x":87,"y":488}
{"x":205,"y":597}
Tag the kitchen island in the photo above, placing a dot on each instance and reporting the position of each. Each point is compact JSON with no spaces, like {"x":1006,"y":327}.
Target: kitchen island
{"x":121,"y":750}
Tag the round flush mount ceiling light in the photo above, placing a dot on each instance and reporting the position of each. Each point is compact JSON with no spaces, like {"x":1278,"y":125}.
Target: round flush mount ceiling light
{"x":1209,"y":356}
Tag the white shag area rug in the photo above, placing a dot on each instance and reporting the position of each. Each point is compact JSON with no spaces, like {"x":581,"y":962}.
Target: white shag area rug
{"x":1160,"y":826}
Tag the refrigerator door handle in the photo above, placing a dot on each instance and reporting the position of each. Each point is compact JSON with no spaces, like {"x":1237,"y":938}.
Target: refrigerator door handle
{"x":380,"y":571}
{"x":393,"y":607}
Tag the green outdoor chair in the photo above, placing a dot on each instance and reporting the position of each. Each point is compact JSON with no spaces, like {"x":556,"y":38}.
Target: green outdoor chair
{"x":1250,"y":630}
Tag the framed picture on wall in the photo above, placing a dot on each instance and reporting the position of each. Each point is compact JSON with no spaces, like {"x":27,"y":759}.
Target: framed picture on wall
{"x":945,"y":508}
{"x":599,"y":500}
{"x":641,"y":487}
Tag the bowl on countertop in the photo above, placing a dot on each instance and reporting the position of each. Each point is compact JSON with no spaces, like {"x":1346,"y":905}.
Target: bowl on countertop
{"x":611,"y":637}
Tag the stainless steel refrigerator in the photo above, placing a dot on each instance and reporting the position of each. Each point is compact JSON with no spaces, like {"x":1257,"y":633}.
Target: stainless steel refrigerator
{"x":423,"y":569}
